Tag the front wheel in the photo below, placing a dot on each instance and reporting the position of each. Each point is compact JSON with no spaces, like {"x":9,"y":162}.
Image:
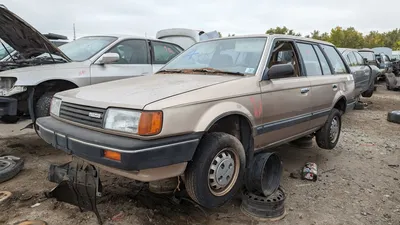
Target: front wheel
{"x":216,"y":173}
{"x":43,"y":105}
{"x":328,"y":136}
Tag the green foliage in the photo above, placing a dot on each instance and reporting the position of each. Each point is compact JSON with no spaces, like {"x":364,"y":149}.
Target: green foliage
{"x":349,"y":37}
{"x":283,"y":30}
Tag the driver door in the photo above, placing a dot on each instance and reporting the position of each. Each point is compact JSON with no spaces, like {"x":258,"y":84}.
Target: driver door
{"x":134,"y":60}
{"x":286,"y":101}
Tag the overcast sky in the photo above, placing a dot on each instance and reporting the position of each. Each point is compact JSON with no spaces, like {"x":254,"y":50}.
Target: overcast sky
{"x":140,"y":17}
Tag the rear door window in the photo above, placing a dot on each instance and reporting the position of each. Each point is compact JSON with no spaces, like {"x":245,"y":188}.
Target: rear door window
{"x":310,"y":59}
{"x":322,"y":60}
{"x":335,"y":59}
{"x":164,"y":52}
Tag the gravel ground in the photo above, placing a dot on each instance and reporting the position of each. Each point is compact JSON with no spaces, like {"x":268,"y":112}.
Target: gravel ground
{"x":356,"y":185}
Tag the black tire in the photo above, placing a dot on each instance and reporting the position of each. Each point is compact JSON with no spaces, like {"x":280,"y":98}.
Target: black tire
{"x":394,"y":116}
{"x":368,"y":93}
{"x":11,"y":170}
{"x":197,"y":179}
{"x":9,"y":119}
{"x":43,"y":105}
{"x":323,"y":135}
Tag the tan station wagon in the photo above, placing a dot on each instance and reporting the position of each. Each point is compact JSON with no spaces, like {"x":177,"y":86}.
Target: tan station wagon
{"x":206,"y":112}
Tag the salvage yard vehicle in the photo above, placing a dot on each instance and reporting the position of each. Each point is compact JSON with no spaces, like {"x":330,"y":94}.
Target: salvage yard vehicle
{"x":203,"y":116}
{"x":27,"y":85}
{"x":185,"y":37}
{"x":370,"y":58}
{"x":364,"y":76}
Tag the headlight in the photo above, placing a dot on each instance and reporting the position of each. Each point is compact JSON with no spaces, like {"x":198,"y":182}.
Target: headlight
{"x":55,"y":106}
{"x":132,"y":121}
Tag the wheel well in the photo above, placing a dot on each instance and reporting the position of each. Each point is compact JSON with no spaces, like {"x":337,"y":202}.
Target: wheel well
{"x":240,"y":127}
{"x":53,"y":86}
{"x":341,"y":105}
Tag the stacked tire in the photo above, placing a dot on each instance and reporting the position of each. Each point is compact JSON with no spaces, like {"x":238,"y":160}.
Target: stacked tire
{"x":263,"y":197}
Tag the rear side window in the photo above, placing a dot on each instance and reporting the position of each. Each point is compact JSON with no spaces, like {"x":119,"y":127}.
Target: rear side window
{"x":335,"y":59}
{"x":310,"y":59}
{"x":322,"y":60}
{"x":164,"y":52}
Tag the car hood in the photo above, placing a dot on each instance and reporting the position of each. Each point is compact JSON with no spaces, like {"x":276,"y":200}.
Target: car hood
{"x":137,"y":92}
{"x":23,"y":37}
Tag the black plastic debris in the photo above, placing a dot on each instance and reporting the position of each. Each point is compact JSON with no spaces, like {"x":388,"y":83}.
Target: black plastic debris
{"x":265,"y":174}
{"x":254,"y":204}
{"x":78,"y":184}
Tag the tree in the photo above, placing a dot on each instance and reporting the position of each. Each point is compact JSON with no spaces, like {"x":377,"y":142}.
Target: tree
{"x":282,"y":30}
{"x":219,"y":34}
{"x":346,"y":38}
{"x":373,"y":39}
{"x":231,"y":35}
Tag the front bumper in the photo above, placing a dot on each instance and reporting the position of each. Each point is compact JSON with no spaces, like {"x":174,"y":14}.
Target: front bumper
{"x":135,"y":154}
{"x":8,"y":106}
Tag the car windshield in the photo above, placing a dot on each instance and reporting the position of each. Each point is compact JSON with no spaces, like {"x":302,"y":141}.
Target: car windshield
{"x":3,"y":51}
{"x":367,"y":55}
{"x":233,"y":56}
{"x":84,"y":48}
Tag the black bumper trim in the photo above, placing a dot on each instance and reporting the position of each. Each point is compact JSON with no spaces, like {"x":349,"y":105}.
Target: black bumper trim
{"x":8,"y":106}
{"x":135,"y":154}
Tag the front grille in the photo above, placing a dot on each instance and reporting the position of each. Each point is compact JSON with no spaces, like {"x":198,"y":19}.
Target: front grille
{"x":80,"y":114}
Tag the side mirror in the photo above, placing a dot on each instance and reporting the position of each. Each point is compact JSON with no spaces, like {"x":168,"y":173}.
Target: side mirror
{"x":108,"y":58}
{"x":279,"y":71}
{"x":366,"y":62}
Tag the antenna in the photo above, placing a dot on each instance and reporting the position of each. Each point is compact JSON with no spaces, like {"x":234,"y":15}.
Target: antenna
{"x":74,"y":32}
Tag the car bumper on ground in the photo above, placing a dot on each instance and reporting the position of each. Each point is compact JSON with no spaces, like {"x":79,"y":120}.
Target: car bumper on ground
{"x":135,"y":154}
{"x":8,"y":106}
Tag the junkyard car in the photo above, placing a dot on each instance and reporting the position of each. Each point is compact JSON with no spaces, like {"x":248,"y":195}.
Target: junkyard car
{"x":370,"y":58}
{"x":206,"y":112}
{"x":364,"y":76}
{"x":27,"y":85}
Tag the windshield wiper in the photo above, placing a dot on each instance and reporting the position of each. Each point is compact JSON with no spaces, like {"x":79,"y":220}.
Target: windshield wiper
{"x":211,"y":70}
{"x":52,"y":59}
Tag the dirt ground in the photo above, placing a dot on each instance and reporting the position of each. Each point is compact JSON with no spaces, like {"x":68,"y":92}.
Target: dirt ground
{"x":356,"y":185}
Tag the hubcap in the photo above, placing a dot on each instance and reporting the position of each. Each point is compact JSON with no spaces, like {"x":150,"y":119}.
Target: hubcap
{"x":223,"y":173}
{"x":334,"y":131}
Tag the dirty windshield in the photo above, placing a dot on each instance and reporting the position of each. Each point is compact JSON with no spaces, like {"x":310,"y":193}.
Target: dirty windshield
{"x":84,"y":48}
{"x":233,"y":56}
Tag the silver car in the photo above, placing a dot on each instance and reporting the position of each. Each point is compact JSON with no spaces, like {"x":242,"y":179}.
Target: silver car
{"x":27,"y":84}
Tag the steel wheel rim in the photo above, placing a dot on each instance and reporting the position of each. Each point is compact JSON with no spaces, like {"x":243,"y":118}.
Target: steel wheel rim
{"x":223,"y":172}
{"x":334,"y":129}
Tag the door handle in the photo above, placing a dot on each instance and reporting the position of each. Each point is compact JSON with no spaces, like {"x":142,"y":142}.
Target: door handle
{"x":304,"y":90}
{"x":145,"y":73}
{"x":334,"y":86}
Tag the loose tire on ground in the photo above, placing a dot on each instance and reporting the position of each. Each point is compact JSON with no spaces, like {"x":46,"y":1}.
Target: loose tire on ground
{"x":394,"y":116}
{"x":328,"y":136}
{"x":9,"y":167}
{"x":43,"y":105}
{"x":209,"y":178}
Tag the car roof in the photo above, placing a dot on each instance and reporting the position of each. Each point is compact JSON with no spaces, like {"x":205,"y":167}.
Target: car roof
{"x":273,"y":36}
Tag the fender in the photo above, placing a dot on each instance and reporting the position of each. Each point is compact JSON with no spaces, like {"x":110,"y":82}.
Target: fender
{"x":220,"y":110}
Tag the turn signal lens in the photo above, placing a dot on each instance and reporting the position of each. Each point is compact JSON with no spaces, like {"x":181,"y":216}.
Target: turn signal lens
{"x":112,"y":155}
{"x":150,"y":123}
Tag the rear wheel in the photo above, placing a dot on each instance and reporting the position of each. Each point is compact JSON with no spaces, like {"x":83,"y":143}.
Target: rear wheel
{"x":216,"y":173}
{"x":328,"y":136}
